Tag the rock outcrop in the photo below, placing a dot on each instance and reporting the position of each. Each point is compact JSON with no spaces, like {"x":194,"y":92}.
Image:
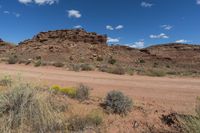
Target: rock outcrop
{"x":76,"y":35}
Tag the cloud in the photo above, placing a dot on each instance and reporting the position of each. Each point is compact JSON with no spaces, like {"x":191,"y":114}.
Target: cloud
{"x":139,"y":44}
{"x":6,"y":12}
{"x":74,"y":14}
{"x":119,"y":27}
{"x":78,"y":27}
{"x":160,"y":36}
{"x":112,"y":40}
{"x":109,"y":27}
{"x":198,"y":2}
{"x":25,"y":1}
{"x":16,"y":14}
{"x":145,"y":4}
{"x":182,"y":41}
{"x":12,"y":13}
{"x":167,"y":27}
{"x":39,"y":2}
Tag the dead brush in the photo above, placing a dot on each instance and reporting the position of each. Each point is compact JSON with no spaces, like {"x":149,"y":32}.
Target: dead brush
{"x":25,"y":108}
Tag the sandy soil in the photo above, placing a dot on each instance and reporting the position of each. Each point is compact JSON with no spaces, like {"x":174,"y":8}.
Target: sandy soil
{"x":171,"y":93}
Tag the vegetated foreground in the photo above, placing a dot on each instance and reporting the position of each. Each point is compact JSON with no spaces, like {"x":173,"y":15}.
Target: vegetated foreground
{"x":177,"y":94}
{"x":68,"y":106}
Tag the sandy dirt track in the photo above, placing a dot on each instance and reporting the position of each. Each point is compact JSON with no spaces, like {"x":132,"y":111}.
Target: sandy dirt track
{"x":175,"y":93}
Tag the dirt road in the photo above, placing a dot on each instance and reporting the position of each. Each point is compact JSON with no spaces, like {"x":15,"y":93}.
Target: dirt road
{"x":176,"y":93}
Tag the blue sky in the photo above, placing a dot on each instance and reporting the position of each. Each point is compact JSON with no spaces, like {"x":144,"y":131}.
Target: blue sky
{"x":138,"y":23}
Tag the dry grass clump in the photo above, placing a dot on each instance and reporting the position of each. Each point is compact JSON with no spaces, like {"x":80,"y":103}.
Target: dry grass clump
{"x":198,"y":106}
{"x":6,"y":81}
{"x":25,"y":108}
{"x":79,"y":123}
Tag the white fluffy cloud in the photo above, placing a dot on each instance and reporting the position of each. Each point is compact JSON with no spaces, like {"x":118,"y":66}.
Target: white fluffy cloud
{"x":25,"y":1}
{"x":74,"y":14}
{"x":167,"y":27}
{"x":78,"y":27}
{"x":6,"y":12}
{"x":109,"y":27}
{"x":182,"y":41}
{"x":198,"y":2}
{"x":145,"y":4}
{"x":139,"y":44}
{"x":112,"y":40}
{"x":39,"y":2}
{"x":119,"y":27}
{"x":160,"y":36}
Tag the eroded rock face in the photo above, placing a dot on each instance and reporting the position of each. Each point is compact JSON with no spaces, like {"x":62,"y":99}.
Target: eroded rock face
{"x":75,"y":35}
{"x":176,"y":51}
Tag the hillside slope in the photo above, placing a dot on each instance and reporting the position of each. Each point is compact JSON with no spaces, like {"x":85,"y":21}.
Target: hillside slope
{"x":72,"y":47}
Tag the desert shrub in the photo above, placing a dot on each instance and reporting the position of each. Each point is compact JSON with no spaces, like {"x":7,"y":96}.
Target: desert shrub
{"x":141,"y":61}
{"x":76,"y":67}
{"x":58,"y":64}
{"x":95,"y":118}
{"x":198,"y":106}
{"x":6,"y":81}
{"x":117,"y":102}
{"x":80,"y":123}
{"x":25,"y":108}
{"x":37,"y":63}
{"x":117,"y":70}
{"x":76,"y":123}
{"x":82,"y":92}
{"x":86,"y":67}
{"x":12,"y":59}
{"x":55,"y":88}
{"x":70,"y":91}
{"x":104,"y":68}
{"x":156,"y":73}
{"x":99,"y":58}
{"x":111,"y":61}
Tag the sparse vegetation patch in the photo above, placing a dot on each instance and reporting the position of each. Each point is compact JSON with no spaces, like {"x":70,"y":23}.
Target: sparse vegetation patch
{"x":117,"y":102}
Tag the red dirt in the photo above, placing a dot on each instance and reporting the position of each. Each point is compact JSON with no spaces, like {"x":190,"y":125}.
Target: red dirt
{"x":171,"y":93}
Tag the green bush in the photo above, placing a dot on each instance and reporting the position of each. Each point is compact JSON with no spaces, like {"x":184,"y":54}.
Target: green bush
{"x":82,"y":92}
{"x":12,"y":59}
{"x":117,"y":102}
{"x":6,"y":81}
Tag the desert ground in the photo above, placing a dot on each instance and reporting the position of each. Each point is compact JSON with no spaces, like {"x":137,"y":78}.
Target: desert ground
{"x":171,"y":93}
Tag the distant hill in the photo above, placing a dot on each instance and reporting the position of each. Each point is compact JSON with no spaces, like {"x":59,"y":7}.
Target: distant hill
{"x":76,"y":47}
